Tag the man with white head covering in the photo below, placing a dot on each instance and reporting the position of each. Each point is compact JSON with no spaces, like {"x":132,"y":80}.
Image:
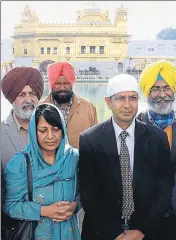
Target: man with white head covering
{"x":124,"y":171}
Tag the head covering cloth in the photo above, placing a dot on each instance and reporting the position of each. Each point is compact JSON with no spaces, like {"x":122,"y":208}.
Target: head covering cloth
{"x":161,"y":70}
{"x":60,"y":69}
{"x":62,"y":175}
{"x":16,"y":79}
{"x":122,"y":83}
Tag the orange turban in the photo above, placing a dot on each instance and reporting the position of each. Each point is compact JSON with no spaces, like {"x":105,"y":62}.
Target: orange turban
{"x":60,"y":69}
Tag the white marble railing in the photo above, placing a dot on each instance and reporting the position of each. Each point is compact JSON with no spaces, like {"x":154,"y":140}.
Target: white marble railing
{"x":87,"y":78}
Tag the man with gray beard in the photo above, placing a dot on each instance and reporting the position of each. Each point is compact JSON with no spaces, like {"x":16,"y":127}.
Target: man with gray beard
{"x":23,"y":88}
{"x":158,"y":84}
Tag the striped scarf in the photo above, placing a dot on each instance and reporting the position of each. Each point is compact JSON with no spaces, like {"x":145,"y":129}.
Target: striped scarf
{"x":161,"y":121}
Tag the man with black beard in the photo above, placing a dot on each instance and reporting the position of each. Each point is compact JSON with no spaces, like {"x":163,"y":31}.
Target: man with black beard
{"x":78,"y":112}
{"x":158,"y":84}
{"x":23,"y":88}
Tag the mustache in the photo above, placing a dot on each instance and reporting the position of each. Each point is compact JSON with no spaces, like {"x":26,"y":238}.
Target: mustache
{"x":28,"y":104}
{"x":166,"y":98}
{"x":62,"y":98}
{"x":62,"y":91}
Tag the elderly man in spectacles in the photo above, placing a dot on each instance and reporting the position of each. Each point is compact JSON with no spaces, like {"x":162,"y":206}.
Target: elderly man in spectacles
{"x":161,"y":98}
{"x":158,"y":84}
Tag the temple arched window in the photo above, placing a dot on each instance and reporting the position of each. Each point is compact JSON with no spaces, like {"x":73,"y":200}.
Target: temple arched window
{"x":83,"y":49}
{"x":42,"y":50}
{"x":101,"y":49}
{"x":48,"y":50}
{"x":25,"y":51}
{"x":92,"y":49}
{"x":67,"y":50}
{"x":55,"y":50}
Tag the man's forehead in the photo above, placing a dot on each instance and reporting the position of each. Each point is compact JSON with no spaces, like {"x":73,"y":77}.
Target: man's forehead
{"x":127,"y":93}
{"x":160,"y":83}
{"x":61,"y":79}
{"x":27,"y":89}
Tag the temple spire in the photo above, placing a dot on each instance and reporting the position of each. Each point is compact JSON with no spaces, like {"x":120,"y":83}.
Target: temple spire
{"x":91,"y":3}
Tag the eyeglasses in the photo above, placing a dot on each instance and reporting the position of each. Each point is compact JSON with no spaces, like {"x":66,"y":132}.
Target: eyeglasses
{"x":159,"y":89}
{"x":122,"y":99}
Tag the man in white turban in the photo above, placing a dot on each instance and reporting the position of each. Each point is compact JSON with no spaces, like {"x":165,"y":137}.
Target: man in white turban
{"x":124,"y":170}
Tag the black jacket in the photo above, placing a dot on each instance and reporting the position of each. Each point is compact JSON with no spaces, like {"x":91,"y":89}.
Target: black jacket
{"x":143,"y":116}
{"x":101,"y":185}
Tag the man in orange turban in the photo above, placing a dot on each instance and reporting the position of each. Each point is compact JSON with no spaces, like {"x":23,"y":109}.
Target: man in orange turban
{"x":158,"y":84}
{"x":78,"y":112}
{"x":60,"y":69}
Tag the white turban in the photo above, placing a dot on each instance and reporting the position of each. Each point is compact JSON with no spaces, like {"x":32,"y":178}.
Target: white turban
{"x":122,"y":83}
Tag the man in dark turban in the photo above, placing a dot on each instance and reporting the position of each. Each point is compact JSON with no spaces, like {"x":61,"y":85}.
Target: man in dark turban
{"x":22,"y":87}
{"x":15,"y":80}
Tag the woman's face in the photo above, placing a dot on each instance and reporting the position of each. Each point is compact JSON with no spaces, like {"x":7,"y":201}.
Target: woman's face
{"x":49,"y":137}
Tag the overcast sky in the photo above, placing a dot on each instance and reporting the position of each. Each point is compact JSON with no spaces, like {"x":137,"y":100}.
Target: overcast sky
{"x":146,"y":18}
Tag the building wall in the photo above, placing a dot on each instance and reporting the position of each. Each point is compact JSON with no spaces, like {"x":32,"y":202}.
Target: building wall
{"x":38,"y":45}
{"x":93,"y":29}
{"x":114,"y":48}
{"x":154,"y":48}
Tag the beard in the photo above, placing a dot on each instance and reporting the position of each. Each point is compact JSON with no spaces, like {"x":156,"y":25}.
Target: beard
{"x":22,"y":112}
{"x":62,"y":96}
{"x":162,"y":108}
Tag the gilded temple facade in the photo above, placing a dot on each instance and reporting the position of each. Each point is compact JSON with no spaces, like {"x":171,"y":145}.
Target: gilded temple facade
{"x":94,"y":44}
{"x":93,"y":38}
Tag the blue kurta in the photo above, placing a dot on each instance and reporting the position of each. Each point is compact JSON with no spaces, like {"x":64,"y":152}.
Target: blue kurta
{"x":51,"y":184}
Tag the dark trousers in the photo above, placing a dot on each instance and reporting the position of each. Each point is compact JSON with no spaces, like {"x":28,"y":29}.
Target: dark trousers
{"x":168,"y":229}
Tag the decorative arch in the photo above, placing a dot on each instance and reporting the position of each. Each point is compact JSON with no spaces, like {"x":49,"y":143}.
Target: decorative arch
{"x":92,"y":18}
{"x":44,"y":65}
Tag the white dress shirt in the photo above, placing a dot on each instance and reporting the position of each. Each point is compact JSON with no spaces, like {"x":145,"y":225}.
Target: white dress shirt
{"x":129,"y":140}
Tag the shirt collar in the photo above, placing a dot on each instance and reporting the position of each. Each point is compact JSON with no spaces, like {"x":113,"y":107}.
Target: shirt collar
{"x":118,"y":129}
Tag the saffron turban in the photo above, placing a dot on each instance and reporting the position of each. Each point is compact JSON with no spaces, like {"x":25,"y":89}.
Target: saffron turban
{"x":157,"y":71}
{"x":60,"y":69}
{"x":16,"y":79}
